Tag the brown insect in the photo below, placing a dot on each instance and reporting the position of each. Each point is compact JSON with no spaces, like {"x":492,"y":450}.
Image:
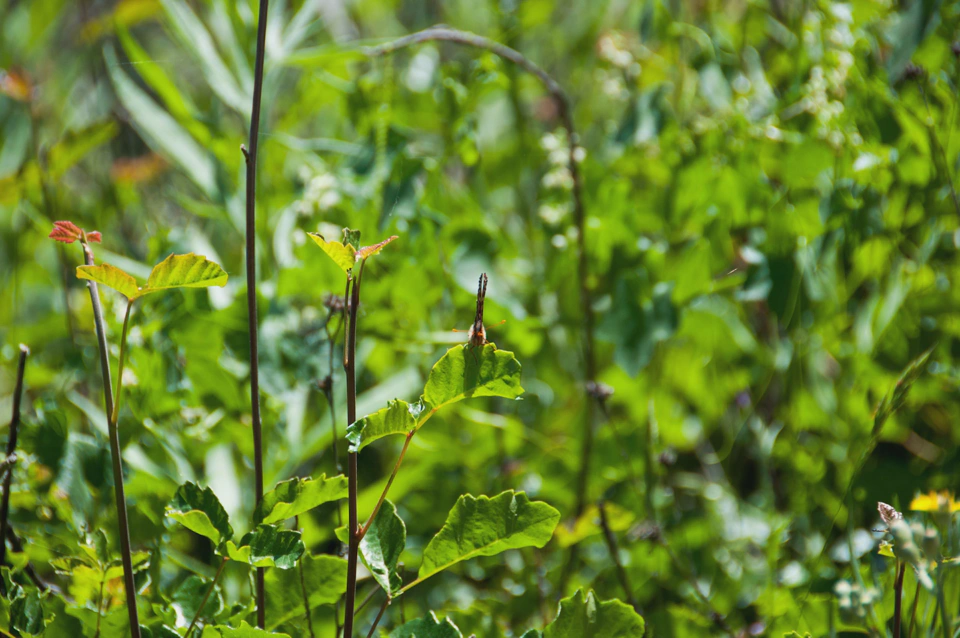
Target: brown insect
{"x":477,"y":334}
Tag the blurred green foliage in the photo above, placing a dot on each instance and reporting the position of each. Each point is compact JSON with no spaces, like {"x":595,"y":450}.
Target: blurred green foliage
{"x":772,"y":239}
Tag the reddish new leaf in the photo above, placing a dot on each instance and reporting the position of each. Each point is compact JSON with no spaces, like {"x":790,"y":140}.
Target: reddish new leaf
{"x":68,"y":232}
{"x":65,"y":231}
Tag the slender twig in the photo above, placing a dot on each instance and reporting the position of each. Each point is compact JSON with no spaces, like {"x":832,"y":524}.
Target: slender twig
{"x":349,"y":365}
{"x":206,"y":597}
{"x":376,"y":621}
{"x":250,"y":154}
{"x":31,"y":573}
{"x":564,"y":108}
{"x":366,"y":601}
{"x":113,"y":433}
{"x":11,"y":450}
{"x":386,"y":488}
{"x":615,"y":556}
{"x":898,"y":599}
{"x":103,"y":581}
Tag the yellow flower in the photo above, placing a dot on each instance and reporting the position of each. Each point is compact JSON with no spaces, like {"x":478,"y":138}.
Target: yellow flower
{"x":935,"y":502}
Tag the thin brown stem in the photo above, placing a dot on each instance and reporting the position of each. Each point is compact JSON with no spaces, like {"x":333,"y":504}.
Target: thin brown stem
{"x":898,"y":599}
{"x":386,"y":488}
{"x":353,"y":546}
{"x":206,"y":597}
{"x":615,"y":557}
{"x":251,"y":258}
{"x":11,"y":450}
{"x":303,"y":588}
{"x":113,"y":433}
{"x":376,"y":621}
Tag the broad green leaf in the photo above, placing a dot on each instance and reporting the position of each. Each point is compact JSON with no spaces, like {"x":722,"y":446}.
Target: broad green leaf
{"x":111,"y":277}
{"x":194,"y":35}
{"x":487,"y":526}
{"x":189,"y":595}
{"x":199,"y":510}
{"x":584,"y":617}
{"x":350,"y":237}
{"x":26,"y":613}
{"x":296,"y":496}
{"x":324,"y":578}
{"x":427,"y":627}
{"x":185,"y":271}
{"x":465,"y":372}
{"x":160,"y":131}
{"x":343,"y":256}
{"x":267,"y":546}
{"x":369,"y":251}
{"x":399,"y":417}
{"x":382,"y":545}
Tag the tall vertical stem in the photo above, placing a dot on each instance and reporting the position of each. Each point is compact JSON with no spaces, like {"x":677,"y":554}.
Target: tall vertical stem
{"x":350,"y":368}
{"x":113,"y":433}
{"x":898,"y":599}
{"x":11,"y":450}
{"x":251,"y":258}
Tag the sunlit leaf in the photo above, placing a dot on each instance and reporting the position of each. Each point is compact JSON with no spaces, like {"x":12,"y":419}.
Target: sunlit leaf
{"x":296,"y":496}
{"x":267,"y":546}
{"x":427,"y":627}
{"x":483,"y":526}
{"x":185,"y":271}
{"x":465,"y":372}
{"x":199,"y":510}
{"x":369,"y":251}
{"x":324,"y":577}
{"x":111,"y":277}
{"x":582,"y":616}
{"x":399,"y":417}
{"x":343,"y":256}
{"x":243,"y":631}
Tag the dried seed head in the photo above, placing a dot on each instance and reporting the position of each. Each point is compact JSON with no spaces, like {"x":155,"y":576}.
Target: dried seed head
{"x":888,"y":513}
{"x":913,"y":71}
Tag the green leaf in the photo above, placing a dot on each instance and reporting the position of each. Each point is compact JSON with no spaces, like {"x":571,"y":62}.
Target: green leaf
{"x":188,"y":596}
{"x":267,"y":546}
{"x":26,"y":613}
{"x":324,"y":578}
{"x":399,"y":417}
{"x":895,"y":397}
{"x":583,"y":617}
{"x":465,"y":372}
{"x":382,"y":545}
{"x":112,"y":278}
{"x":427,"y":627}
{"x":296,"y":496}
{"x":487,"y":526}
{"x":351,"y":237}
{"x":194,"y":35}
{"x":160,"y":131}
{"x":185,"y":271}
{"x":199,"y":510}
{"x":343,"y":256}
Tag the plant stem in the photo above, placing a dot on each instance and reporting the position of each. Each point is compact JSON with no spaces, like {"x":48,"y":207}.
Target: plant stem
{"x":113,"y":433}
{"x":386,"y":488}
{"x":913,"y":611}
{"x":206,"y":597}
{"x":615,"y":557}
{"x":303,"y":586}
{"x":101,"y":333}
{"x":349,"y":365}
{"x":11,"y":450}
{"x":376,"y":621}
{"x":898,"y":599}
{"x":446,"y":34}
{"x":251,"y":258}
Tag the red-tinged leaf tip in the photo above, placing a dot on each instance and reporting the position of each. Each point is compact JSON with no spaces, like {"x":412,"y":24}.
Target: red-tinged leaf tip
{"x":65,"y":231}
{"x":94,"y":237}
